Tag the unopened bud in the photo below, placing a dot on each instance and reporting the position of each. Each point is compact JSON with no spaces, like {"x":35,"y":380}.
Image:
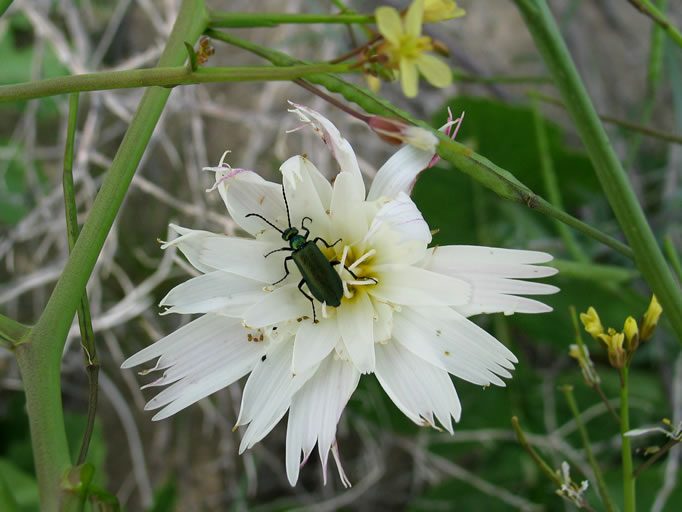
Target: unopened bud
{"x":441,"y":10}
{"x":582,"y":355}
{"x":395,"y":131}
{"x":650,"y":319}
{"x":614,"y":345}
{"x":631,"y":332}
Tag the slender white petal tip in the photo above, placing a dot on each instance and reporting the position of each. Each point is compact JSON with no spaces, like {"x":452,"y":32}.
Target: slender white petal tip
{"x":334,"y":283}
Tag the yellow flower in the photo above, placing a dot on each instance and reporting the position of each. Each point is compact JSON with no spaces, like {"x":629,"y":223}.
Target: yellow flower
{"x":441,"y":10}
{"x":406,"y":48}
{"x":592,"y":323}
{"x":614,"y":345}
{"x":650,"y":319}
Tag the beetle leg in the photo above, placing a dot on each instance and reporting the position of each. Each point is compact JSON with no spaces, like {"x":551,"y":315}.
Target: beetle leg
{"x":277,"y":250}
{"x":307,"y":231}
{"x":312,"y":301}
{"x":285,"y":268}
{"x":360,"y":277}
{"x":319,"y":238}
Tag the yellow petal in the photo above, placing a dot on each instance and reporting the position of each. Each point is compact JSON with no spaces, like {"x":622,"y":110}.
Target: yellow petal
{"x":389,"y":24}
{"x":414,"y":18}
{"x":436,"y":71}
{"x":409,"y":78}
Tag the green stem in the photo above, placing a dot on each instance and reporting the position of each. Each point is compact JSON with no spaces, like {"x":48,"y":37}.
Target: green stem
{"x":601,"y":484}
{"x":500,"y":181}
{"x":39,"y":356}
{"x":657,"y":134}
{"x":594,"y":271}
{"x":546,"y":469}
{"x":673,"y":257}
{"x":614,"y":182}
{"x":628,"y":478}
{"x":84,"y":320}
{"x":552,"y":186}
{"x":161,"y":76}
{"x":220,"y":19}
{"x":659,"y":17}
{"x":655,"y":457}
{"x":11,"y":332}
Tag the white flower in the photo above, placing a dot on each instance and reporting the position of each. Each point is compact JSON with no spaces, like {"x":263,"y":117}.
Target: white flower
{"x":402,"y":315}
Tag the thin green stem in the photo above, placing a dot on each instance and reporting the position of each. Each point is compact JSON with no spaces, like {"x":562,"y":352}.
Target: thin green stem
{"x":628,"y":478}
{"x":654,"y":68}
{"x":162,"y":76}
{"x":594,"y":271}
{"x":462,"y":76}
{"x":655,"y":457}
{"x":601,"y":484}
{"x":614,"y":182}
{"x":4,"y":4}
{"x":546,"y":469}
{"x":552,"y":186}
{"x":221,"y":19}
{"x":657,"y":134}
{"x":500,"y":181}
{"x":84,"y":320}
{"x":650,"y":10}
{"x":11,"y":332}
{"x":39,"y":357}
{"x":672,"y":256}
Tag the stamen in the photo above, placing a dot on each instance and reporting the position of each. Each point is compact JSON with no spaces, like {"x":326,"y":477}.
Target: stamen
{"x":360,"y":283}
{"x":324,"y":309}
{"x":362,"y":258}
{"x":346,"y":290}
{"x":222,"y":158}
{"x":342,"y":263}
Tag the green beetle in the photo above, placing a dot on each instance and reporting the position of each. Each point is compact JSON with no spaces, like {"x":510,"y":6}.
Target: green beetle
{"x":324,"y":283}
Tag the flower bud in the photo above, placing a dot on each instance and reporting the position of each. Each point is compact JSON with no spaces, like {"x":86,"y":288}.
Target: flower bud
{"x":650,"y":319}
{"x":395,"y":131}
{"x":441,"y":10}
{"x":614,"y":346}
{"x":592,"y":323}
{"x":582,"y":355}
{"x":631,"y":333}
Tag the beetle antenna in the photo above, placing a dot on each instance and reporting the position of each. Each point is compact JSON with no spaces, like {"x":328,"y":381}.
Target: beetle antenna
{"x":286,"y":204}
{"x":266,"y":220}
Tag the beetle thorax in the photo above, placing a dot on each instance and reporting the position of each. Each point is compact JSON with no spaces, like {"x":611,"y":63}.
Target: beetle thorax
{"x":295,"y":240}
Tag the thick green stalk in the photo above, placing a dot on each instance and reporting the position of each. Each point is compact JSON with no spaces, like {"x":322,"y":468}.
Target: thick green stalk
{"x":39,"y":355}
{"x":500,"y":181}
{"x":162,"y":76}
{"x":629,"y":504}
{"x":222,"y":19}
{"x":611,"y":175}
{"x":601,"y":484}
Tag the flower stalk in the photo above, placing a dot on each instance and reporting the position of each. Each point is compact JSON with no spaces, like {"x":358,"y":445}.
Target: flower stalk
{"x":39,"y":354}
{"x":161,"y":76}
{"x":612,"y":177}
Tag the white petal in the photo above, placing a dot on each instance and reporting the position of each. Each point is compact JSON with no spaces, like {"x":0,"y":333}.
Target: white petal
{"x":383,"y":321}
{"x":308,"y":172}
{"x":451,"y":342}
{"x":242,"y":256}
{"x":313,"y":343}
{"x":417,"y":388}
{"x":246,"y":192}
{"x":403,"y":284}
{"x":202,"y":357}
{"x":282,"y":304}
{"x":399,"y":173}
{"x":267,"y":394}
{"x":493,"y":275}
{"x":355,"y":320}
{"x":399,"y":223}
{"x":215,"y":291}
{"x":349,"y":219}
{"x":340,"y":149}
{"x":315,"y":412}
